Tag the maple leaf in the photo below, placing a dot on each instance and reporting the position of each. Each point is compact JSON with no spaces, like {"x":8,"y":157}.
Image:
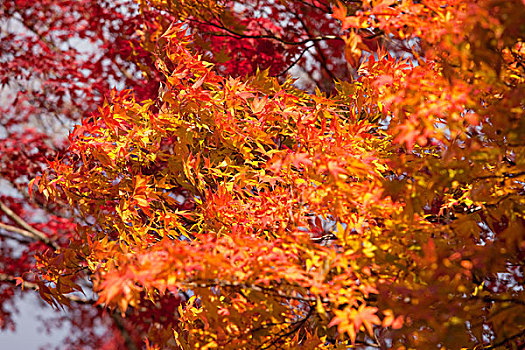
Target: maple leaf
{"x":301,"y":159}
{"x":366,"y":316}
{"x":353,"y":50}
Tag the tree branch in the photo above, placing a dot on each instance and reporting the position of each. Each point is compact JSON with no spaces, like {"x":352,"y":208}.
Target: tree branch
{"x":232,"y":33}
{"x":13,"y":280}
{"x":256,"y":288}
{"x":295,"y":61}
{"x":502,"y":176}
{"x":504,"y":341}
{"x":289,"y":330}
{"x":27,"y":231}
{"x":14,"y":229}
{"x":489,"y":299}
{"x":32,"y":29}
{"x":130,"y":344}
{"x":322,"y":57}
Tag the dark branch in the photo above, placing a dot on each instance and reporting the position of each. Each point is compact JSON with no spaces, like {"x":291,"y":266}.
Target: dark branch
{"x":504,"y":341}
{"x":232,"y":33}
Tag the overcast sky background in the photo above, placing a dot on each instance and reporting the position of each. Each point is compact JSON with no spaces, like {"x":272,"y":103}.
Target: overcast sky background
{"x":30,"y":333}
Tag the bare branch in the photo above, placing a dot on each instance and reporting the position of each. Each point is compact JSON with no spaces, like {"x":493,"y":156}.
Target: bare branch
{"x":24,"y":284}
{"x":296,"y":60}
{"x":232,"y":33}
{"x":16,"y":230}
{"x":322,"y":57}
{"x":130,"y":344}
{"x":504,"y":341}
{"x":266,"y":290}
{"x":489,"y":299}
{"x":28,"y":230}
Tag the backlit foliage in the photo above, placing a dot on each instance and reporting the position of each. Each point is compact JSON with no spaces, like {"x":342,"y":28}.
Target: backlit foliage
{"x":381,"y":206}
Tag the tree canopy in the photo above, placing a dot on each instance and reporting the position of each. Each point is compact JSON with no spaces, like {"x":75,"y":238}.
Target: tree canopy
{"x":268,"y":174}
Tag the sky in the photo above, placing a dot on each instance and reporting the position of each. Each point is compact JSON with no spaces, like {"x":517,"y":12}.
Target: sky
{"x":30,"y":333}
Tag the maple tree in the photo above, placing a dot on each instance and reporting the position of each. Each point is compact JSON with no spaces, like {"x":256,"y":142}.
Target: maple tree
{"x":215,"y":202}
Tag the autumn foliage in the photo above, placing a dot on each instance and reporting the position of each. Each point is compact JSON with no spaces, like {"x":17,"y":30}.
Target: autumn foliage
{"x":270,"y":174}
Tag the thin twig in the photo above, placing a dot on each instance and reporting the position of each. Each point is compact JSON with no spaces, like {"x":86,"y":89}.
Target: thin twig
{"x":489,"y":299}
{"x":502,"y":176}
{"x":295,"y":61}
{"x":323,"y":60}
{"x":233,"y":33}
{"x":253,"y":287}
{"x":289,"y":330}
{"x":504,"y":341}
